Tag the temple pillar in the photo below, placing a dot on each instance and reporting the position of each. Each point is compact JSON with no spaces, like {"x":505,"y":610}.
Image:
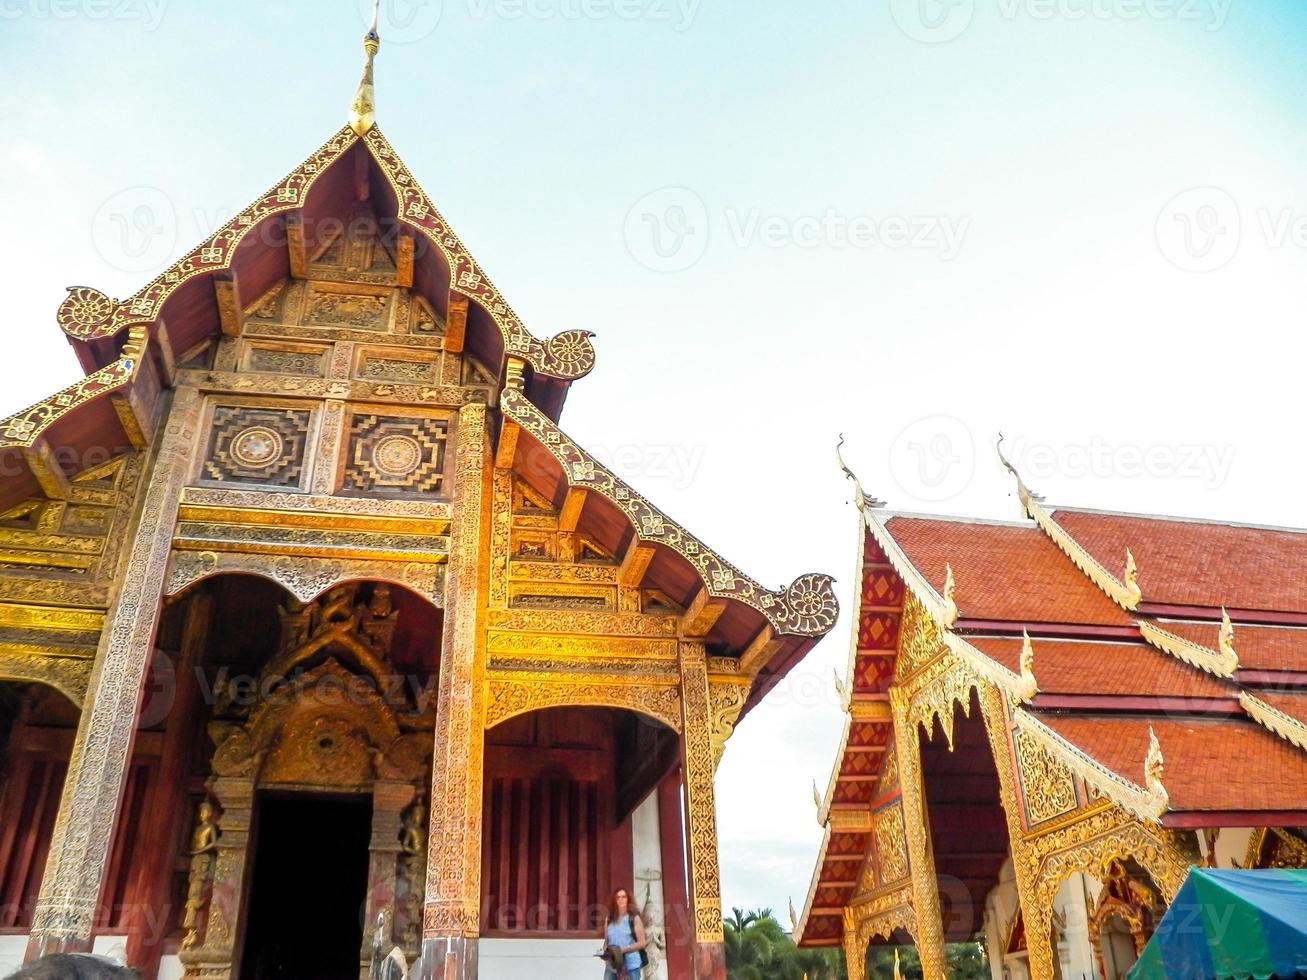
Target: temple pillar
{"x":1038,"y":920}
{"x":88,"y":808}
{"x":676,"y":899}
{"x":855,"y":949}
{"x":701,"y":814}
{"x":925,"y":887}
{"x":452,"y":912}
{"x":389,"y":801}
{"x":218,"y":956}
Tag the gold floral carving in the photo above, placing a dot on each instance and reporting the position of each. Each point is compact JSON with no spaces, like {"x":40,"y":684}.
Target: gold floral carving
{"x":453,"y":888}
{"x":920,"y":640}
{"x":727,"y":700}
{"x":303,"y":577}
{"x":518,"y":693}
{"x":701,"y":809}
{"x":67,"y":675}
{"x":1047,"y":786}
{"x":891,"y":844}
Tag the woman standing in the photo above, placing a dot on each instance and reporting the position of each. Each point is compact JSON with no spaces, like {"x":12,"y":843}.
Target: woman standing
{"x":624,"y":940}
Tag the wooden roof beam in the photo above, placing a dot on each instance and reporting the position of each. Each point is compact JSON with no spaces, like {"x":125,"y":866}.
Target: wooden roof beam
{"x":43,"y":463}
{"x":456,"y":323}
{"x":569,"y":515}
{"x":230,"y":311}
{"x":296,"y":247}
{"x":759,"y":651}
{"x":702,"y":615}
{"x":635,"y":563}
{"x":164,"y":353}
{"x":404,"y":257}
{"x":507,"y":449}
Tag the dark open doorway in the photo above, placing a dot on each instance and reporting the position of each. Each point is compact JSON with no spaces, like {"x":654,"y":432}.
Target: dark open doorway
{"x":308,"y":885}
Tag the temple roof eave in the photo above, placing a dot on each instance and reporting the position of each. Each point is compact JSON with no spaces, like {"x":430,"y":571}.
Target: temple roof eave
{"x":89,"y":317}
{"x":805,"y":610}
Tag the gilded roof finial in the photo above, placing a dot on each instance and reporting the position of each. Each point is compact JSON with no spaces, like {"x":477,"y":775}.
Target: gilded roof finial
{"x":1154,"y":769}
{"x":1024,"y":493}
{"x":1029,"y":686}
{"x":363,"y":111}
{"x":794,"y":916}
{"x":1132,"y":577}
{"x":898,"y":972}
{"x":816,"y":797}
{"x":860,"y":499}
{"x":1225,"y":641}
{"x":840,"y":688}
{"x":950,"y":597}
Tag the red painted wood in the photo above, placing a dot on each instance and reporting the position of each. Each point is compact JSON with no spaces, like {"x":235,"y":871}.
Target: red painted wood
{"x":676,"y":903}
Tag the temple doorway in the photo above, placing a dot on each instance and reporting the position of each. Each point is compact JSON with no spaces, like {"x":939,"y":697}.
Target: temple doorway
{"x":308,"y":887}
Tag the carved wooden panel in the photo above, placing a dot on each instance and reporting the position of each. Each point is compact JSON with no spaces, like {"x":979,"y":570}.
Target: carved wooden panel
{"x":263,"y":446}
{"x":396,"y":454}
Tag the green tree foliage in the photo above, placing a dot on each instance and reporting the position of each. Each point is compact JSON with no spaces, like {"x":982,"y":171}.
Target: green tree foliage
{"x":757,"y":948}
{"x":966,"y":961}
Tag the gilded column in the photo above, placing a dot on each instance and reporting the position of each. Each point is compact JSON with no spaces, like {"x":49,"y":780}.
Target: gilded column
{"x":88,"y":808}
{"x":1038,"y":920}
{"x":216,"y":957}
{"x":701,"y":814}
{"x":925,"y":888}
{"x":855,"y":949}
{"x":451,"y":918}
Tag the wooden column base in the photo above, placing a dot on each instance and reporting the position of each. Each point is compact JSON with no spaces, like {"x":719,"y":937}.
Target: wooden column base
{"x":710,"y":961}
{"x":447,"y":958}
{"x":39,"y":946}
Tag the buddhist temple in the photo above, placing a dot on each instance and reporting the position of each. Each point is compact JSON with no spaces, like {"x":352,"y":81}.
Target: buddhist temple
{"x":1049,"y":722}
{"x":319,"y":634}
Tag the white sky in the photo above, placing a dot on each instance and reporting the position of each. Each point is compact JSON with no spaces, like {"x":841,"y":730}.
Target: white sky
{"x":1081,"y":221}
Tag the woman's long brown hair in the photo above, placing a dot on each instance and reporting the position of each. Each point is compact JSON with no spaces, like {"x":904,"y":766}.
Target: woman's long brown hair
{"x":614,"y":913}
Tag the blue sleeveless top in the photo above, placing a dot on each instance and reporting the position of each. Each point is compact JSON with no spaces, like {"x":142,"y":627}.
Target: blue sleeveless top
{"x":621,"y":934}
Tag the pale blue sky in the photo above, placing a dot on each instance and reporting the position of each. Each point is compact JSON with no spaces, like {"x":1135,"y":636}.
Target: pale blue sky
{"x":1083,"y":221}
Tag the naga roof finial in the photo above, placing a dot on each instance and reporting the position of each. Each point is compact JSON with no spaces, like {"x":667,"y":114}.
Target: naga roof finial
{"x":363,"y":110}
{"x":1024,"y":493}
{"x":860,"y":498}
{"x":1154,"y":769}
{"x":1029,"y":686}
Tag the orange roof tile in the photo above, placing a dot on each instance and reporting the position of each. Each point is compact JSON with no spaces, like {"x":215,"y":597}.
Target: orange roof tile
{"x":1210,"y":764}
{"x":1008,"y":572}
{"x":1259,"y":647}
{"x":1198,"y":563}
{"x":1109,"y":669}
{"x":1292,"y":703}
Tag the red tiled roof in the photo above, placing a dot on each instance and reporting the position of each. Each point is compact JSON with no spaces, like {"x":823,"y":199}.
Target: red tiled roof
{"x":1198,"y":563}
{"x":1209,"y":764}
{"x":1109,"y":669}
{"x":1005,"y":572}
{"x":1259,"y":647}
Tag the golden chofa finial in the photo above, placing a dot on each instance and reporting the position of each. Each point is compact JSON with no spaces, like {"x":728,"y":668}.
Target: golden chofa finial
{"x":950,"y":597}
{"x":1154,"y":770}
{"x":1132,"y":578}
{"x":1029,"y":686}
{"x":363,"y":111}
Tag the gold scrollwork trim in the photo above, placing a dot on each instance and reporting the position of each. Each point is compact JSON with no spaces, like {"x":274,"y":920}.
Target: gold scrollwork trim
{"x":521,"y":693}
{"x":1132,"y":797}
{"x":69,"y":676}
{"x":304,"y":578}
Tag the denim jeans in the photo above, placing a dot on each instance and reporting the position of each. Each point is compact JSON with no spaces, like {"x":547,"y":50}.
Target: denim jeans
{"x":632,"y":972}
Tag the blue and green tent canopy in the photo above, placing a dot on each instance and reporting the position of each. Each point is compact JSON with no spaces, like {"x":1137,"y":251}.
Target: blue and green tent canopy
{"x":1231,"y":924}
